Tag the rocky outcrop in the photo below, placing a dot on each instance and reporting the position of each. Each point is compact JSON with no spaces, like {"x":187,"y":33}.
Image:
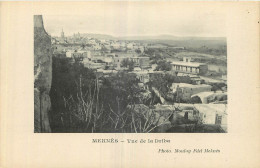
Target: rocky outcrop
{"x":42,"y":76}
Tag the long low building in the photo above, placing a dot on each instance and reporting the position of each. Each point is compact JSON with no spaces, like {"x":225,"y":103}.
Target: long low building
{"x":187,"y":66}
{"x":184,"y":91}
{"x":210,"y":97}
{"x":142,"y":62}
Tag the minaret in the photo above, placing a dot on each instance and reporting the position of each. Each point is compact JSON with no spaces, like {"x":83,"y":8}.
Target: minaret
{"x":62,"y":34}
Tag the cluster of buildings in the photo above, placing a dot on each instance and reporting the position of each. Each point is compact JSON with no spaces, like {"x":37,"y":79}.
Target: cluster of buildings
{"x":97,"y":44}
{"x":107,"y":57}
{"x":210,"y":107}
{"x":103,"y":55}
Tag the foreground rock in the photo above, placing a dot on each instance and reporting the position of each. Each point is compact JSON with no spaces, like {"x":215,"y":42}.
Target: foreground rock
{"x":42,"y":76}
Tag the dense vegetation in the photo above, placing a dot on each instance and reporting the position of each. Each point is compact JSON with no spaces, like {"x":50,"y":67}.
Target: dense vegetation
{"x":128,"y":64}
{"x":163,"y":66}
{"x":81,"y":102}
{"x":66,"y":78}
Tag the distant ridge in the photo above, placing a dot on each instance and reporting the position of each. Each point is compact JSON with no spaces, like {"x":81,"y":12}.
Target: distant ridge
{"x":98,"y":36}
{"x":170,"y":37}
{"x":159,"y":37}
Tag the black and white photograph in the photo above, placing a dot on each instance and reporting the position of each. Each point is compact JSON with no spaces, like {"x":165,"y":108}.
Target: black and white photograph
{"x":129,"y":84}
{"x":115,"y":73}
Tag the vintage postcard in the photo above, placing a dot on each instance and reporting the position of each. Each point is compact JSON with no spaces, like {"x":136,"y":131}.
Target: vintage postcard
{"x":129,"y":84}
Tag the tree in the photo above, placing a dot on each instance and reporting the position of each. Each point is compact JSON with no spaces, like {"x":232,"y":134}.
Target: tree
{"x":158,"y":81}
{"x":138,"y":51}
{"x":65,"y":84}
{"x":150,"y":51}
{"x":163,"y":66}
{"x":122,"y":85}
{"x":84,"y":102}
{"x":83,"y":45}
{"x":128,"y":64}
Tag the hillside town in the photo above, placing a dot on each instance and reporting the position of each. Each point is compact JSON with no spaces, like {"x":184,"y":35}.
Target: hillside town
{"x":191,"y":90}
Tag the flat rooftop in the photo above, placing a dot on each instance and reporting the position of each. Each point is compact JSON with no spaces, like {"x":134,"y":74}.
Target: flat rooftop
{"x":189,"y":64}
{"x":190,"y":85}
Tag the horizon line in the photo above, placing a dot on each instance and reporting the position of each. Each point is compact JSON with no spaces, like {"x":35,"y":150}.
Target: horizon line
{"x":146,"y":35}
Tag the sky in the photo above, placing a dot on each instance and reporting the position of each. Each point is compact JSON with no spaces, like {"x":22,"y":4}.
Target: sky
{"x":137,"y":19}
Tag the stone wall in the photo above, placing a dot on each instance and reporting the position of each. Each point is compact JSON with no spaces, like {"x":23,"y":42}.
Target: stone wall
{"x":42,"y":76}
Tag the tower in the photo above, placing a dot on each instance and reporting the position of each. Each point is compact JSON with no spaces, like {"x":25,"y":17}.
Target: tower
{"x":62,"y":34}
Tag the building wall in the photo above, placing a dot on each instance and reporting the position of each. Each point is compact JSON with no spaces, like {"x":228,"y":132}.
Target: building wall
{"x":214,"y":118}
{"x":204,"y":88}
{"x":187,"y":69}
{"x":202,"y":69}
{"x":185,"y":93}
{"x":69,"y":54}
{"x":208,"y":118}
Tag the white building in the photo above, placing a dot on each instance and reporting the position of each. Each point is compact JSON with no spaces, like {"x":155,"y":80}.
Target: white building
{"x":96,"y":47}
{"x":184,"y":91}
{"x":130,"y":45}
{"x":187,"y":66}
{"x":213,"y":114}
{"x":122,"y":44}
{"x":69,"y":53}
{"x":115,"y":45}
